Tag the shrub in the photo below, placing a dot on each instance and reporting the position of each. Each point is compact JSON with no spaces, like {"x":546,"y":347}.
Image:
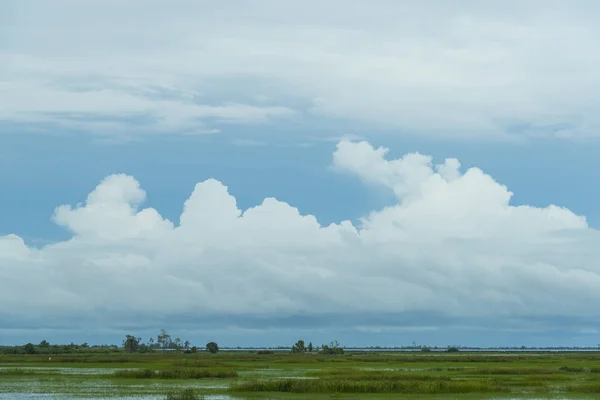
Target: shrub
{"x":333,"y":348}
{"x":212,"y":347}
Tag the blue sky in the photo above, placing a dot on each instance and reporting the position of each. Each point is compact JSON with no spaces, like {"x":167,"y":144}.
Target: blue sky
{"x":48,"y":170}
{"x":118,"y":126}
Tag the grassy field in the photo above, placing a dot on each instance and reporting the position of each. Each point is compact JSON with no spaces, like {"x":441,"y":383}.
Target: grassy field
{"x":302,"y":376}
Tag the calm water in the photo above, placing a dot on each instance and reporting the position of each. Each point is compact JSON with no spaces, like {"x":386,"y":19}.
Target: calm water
{"x":95,"y":388}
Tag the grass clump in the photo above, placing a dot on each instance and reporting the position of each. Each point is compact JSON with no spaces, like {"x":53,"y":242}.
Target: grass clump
{"x":344,"y":385}
{"x":515,"y":371}
{"x":24,"y":372}
{"x":373,"y":375}
{"x":592,"y":387}
{"x":186,"y":394}
{"x":175,"y":373}
{"x":565,"y":368}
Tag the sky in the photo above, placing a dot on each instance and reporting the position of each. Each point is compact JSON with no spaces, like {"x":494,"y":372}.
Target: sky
{"x":258,"y":172}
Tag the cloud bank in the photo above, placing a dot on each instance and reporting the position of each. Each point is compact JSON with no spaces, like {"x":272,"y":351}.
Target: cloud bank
{"x":445,"y":68}
{"x":452,"y":247}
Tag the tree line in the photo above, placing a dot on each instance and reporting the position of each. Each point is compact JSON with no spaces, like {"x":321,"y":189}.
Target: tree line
{"x":332,"y":348}
{"x":163,"y":342}
{"x":131,"y":344}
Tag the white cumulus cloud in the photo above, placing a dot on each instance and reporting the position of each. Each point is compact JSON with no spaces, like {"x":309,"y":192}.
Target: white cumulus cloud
{"x":452,"y":246}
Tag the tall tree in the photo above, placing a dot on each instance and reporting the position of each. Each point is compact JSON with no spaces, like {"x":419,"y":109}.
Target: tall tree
{"x":212,"y":347}
{"x":298,"y":347}
{"x":29,"y":348}
{"x":164,"y":340}
{"x":131,"y":344}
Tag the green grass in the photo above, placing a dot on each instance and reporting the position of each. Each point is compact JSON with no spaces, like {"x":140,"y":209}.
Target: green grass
{"x":186,"y":394}
{"x":13,"y":372}
{"x":367,"y":375}
{"x":187,"y":373}
{"x":344,"y":385}
{"x":565,"y":368}
{"x":362,"y":375}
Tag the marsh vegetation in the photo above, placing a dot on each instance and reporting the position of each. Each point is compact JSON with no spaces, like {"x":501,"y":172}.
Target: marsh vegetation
{"x":304,"y":374}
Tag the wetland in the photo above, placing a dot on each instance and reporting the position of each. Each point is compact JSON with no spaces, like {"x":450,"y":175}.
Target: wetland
{"x":286,"y":375}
